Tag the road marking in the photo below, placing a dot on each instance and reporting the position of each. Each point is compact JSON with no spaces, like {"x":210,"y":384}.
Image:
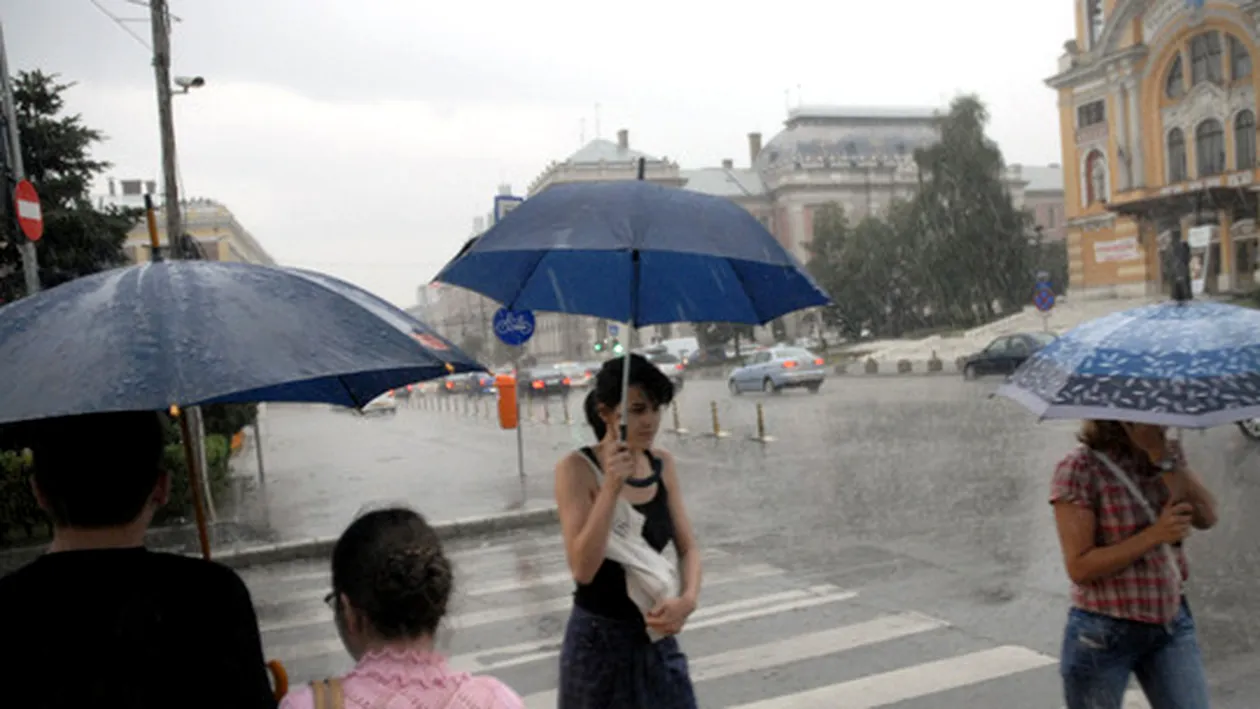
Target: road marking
{"x":462,"y":621}
{"x":712,"y":616}
{"x":794,"y":649}
{"x":913,"y":682}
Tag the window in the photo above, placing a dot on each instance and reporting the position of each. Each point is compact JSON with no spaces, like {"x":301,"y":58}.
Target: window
{"x":1209,"y":147}
{"x":1094,"y":21}
{"x":1176,"y":156}
{"x":1239,"y":60}
{"x":1175,"y":84}
{"x":1205,"y":58}
{"x":1095,"y":178}
{"x":1245,"y":141}
{"x":1091,"y":114}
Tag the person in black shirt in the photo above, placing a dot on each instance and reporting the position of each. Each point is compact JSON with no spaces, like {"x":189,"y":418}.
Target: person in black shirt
{"x":98,"y":620}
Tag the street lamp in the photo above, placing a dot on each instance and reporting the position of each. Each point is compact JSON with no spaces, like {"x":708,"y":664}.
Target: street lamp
{"x":187,"y":83}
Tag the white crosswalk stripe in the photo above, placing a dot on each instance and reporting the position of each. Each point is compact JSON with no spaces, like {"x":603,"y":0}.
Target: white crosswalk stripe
{"x":762,"y":638}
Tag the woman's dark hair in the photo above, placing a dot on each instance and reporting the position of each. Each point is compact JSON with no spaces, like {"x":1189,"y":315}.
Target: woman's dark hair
{"x":390,"y":564}
{"x":1106,"y":436}
{"x":607,"y":388}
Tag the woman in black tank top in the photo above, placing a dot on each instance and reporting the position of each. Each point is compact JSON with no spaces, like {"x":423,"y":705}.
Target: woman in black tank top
{"x":608,"y":660}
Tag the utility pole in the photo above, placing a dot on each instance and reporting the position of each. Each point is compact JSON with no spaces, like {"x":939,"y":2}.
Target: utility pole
{"x":13,"y":146}
{"x":160,"y":19}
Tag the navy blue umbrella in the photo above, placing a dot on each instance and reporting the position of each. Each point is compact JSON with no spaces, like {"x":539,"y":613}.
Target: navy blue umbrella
{"x":194,"y":332}
{"x":1183,"y":364}
{"x":638,"y":253}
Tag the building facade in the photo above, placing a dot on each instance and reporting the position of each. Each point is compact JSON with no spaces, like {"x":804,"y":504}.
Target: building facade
{"x":1157,"y":103}
{"x":212,"y":227}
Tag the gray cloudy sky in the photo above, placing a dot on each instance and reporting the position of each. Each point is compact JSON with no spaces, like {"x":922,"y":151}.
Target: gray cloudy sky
{"x":361,"y":137}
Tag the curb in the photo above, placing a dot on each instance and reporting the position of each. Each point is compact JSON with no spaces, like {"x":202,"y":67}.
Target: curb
{"x":454,"y":529}
{"x":903,"y":368}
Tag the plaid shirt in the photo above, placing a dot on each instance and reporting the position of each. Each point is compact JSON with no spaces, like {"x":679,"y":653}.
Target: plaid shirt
{"x":1145,"y":591}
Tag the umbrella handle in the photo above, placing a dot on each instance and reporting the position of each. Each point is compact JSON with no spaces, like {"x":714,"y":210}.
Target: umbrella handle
{"x":279,"y":679}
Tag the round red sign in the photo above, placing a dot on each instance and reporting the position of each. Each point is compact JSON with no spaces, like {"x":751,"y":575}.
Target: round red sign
{"x":30,"y":215}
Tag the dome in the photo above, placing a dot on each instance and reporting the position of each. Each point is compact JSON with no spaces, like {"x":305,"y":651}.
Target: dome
{"x":830,"y":135}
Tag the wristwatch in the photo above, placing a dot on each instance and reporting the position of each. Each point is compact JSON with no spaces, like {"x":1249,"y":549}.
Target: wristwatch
{"x":1167,"y":465}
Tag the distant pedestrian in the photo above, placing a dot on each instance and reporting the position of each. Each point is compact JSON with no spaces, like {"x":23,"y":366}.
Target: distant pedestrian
{"x":1123,"y":502}
{"x":620,"y":506}
{"x":100,"y":621}
{"x":391,"y":583}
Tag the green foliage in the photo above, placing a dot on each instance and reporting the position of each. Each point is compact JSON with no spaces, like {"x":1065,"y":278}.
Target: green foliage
{"x":717,"y":334}
{"x":218,"y":458}
{"x":56,"y":151}
{"x":953,"y":255}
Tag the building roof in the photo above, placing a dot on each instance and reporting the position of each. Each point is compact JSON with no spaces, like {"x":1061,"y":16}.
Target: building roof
{"x":731,"y":182}
{"x":836,"y":135}
{"x":602,"y":150}
{"x":882,"y":113}
{"x":1042,"y":178}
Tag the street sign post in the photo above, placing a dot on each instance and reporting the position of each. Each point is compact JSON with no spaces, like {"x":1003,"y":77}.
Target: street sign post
{"x":1043,"y":299}
{"x":514,"y":328}
{"x":29,"y":214}
{"x":505,"y":203}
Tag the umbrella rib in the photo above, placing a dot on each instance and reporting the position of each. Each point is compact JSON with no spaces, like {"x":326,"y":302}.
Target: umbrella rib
{"x":743,"y":288}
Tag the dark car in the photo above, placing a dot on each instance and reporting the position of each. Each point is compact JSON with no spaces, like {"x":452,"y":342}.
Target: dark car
{"x":1005,"y":354}
{"x":545,"y":381}
{"x":671,"y":365}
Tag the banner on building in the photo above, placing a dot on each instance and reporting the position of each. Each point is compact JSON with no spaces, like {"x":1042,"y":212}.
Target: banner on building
{"x":1200,"y":242}
{"x":1125,"y":249}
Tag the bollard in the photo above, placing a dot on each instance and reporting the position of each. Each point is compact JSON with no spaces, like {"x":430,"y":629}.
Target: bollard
{"x":546,"y":413}
{"x":761,"y":436}
{"x":564,"y":404}
{"x":529,"y":407}
{"x":678,"y":429}
{"x":717,"y":428}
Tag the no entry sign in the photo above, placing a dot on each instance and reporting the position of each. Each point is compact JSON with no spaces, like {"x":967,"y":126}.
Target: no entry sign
{"x":30,"y":215}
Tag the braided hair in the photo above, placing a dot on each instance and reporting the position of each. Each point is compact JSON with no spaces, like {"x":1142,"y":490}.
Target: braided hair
{"x":390,"y":565}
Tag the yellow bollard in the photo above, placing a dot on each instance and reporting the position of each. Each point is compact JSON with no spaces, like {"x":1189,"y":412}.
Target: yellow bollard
{"x":717,"y":428}
{"x":678,"y":429}
{"x":546,"y":413}
{"x":564,"y":404}
{"x":761,"y":436}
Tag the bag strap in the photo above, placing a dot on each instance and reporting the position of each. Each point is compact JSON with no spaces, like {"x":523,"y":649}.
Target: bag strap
{"x":1116,"y":470}
{"x":327,"y":694}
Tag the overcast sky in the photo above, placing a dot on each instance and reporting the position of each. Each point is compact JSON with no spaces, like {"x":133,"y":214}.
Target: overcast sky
{"x":361,"y":137}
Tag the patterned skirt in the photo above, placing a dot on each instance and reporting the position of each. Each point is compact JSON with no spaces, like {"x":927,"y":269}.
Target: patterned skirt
{"x":611,"y":664}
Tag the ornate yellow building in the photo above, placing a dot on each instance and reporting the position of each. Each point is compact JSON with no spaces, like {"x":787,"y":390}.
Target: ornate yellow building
{"x":1157,"y":106}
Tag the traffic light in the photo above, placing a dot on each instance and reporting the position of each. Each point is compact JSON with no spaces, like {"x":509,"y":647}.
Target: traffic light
{"x":617,"y":348}
{"x":599,"y":346}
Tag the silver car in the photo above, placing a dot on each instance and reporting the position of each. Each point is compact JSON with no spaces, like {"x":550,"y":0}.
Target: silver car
{"x":779,"y":368}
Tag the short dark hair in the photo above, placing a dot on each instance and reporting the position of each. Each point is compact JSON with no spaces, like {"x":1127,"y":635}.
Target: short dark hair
{"x":607,"y":388}
{"x":1104,"y":436}
{"x":97,"y":470}
{"x":391,"y":566}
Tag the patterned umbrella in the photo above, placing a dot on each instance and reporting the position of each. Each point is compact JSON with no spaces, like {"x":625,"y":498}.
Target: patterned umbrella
{"x":1183,"y":364}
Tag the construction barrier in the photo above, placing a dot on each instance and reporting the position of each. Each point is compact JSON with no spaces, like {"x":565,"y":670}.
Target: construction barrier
{"x":506,"y":386}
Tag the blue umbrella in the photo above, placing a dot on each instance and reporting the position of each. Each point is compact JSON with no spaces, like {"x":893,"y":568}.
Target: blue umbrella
{"x":194,"y":332}
{"x":1183,"y":364}
{"x":638,"y":253}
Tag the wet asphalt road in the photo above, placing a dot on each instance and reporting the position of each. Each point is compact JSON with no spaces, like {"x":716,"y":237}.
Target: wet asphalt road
{"x":921,"y":495}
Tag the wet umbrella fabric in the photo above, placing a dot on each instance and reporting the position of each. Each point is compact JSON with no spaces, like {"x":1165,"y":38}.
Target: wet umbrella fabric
{"x":638,"y":253}
{"x":195,"y":332}
{"x":1190,"y":364}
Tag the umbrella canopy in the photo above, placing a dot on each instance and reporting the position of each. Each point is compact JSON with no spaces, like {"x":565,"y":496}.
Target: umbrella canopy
{"x":635,"y":252}
{"x":1184,"y":364}
{"x":196,"y":332}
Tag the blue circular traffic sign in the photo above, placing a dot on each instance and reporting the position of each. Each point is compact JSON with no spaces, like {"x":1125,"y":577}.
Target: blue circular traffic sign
{"x":1044,"y":299}
{"x":513,"y":327}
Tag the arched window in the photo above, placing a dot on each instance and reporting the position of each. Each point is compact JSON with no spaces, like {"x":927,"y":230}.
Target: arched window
{"x":1239,"y":60}
{"x":1205,"y":58}
{"x":1175,"y":83}
{"x":1176,"y":156}
{"x":1095,"y":177}
{"x":1245,"y":141}
{"x":1094,"y":21}
{"x":1209,"y":147}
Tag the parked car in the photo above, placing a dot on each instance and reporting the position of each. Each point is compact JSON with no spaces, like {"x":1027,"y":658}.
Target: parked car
{"x":545,"y":380}
{"x":671,"y":365}
{"x":580,"y":374}
{"x":778,"y":368}
{"x":1005,"y":354}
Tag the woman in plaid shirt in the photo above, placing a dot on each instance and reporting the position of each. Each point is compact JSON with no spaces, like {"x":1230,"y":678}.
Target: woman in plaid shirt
{"x":1129,"y":613}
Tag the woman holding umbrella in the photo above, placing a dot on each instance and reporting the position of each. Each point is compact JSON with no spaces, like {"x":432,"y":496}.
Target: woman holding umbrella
{"x":1123,"y":502}
{"x":619,"y":652}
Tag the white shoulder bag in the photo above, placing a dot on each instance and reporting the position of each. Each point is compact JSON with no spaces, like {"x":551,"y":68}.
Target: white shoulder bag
{"x":650,"y":577}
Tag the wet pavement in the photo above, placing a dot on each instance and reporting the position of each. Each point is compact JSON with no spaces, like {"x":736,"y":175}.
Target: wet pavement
{"x":921,"y":495}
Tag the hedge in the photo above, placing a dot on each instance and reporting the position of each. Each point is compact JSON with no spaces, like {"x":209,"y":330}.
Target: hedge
{"x":21,"y":520}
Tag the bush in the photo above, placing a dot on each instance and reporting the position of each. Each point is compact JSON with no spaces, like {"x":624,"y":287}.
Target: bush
{"x":21,"y":520}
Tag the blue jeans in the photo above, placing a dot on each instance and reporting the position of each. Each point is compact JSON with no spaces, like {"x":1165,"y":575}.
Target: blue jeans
{"x":1100,"y":652}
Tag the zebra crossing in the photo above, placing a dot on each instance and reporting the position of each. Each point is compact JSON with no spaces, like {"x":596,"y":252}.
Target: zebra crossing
{"x":762,"y":638}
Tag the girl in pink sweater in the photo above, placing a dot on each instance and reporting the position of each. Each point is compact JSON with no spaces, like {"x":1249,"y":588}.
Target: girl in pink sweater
{"x":391,"y":584}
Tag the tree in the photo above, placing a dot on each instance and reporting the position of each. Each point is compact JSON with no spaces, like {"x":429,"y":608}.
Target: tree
{"x":56,"y":152}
